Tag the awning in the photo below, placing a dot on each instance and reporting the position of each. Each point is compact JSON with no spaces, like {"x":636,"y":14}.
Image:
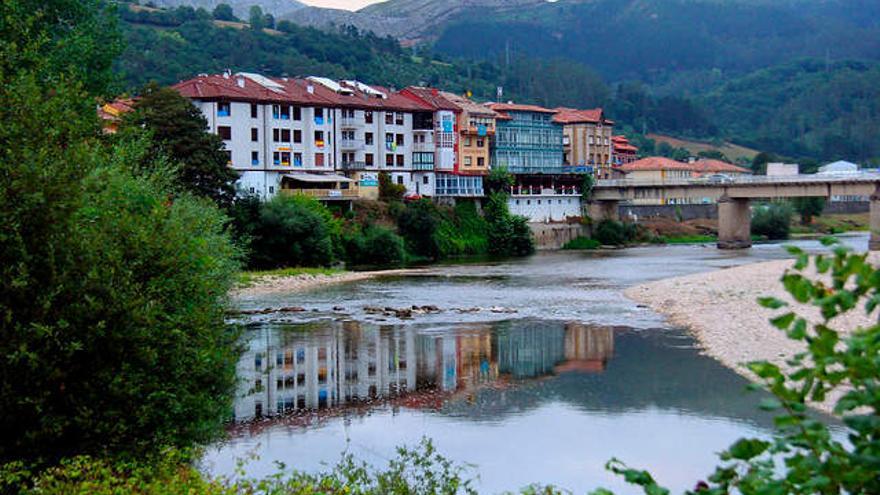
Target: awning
{"x":322,"y":178}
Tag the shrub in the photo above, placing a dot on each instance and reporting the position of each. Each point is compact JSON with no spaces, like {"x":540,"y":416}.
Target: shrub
{"x":614,"y":233}
{"x":388,"y":190}
{"x":808,"y":208}
{"x":418,"y":225}
{"x":373,"y":245}
{"x":508,"y":235}
{"x":582,"y":243}
{"x":292,"y":232}
{"x":772,"y":221}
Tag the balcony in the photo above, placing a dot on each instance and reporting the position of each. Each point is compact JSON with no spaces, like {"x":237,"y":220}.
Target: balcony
{"x":354,"y":165}
{"x":424,"y":147}
{"x":323,"y":194}
{"x":423,"y":167}
{"x":350,"y":122}
{"x":543,"y":191}
{"x":549,"y":170}
{"x":478,"y":130}
{"x":351,"y":144}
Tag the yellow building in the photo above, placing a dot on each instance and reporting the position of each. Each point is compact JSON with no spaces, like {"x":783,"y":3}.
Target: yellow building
{"x":587,"y":139}
{"x":659,"y":169}
{"x":476,"y":125}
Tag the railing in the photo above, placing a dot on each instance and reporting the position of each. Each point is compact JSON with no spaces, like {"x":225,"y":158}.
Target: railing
{"x":747,"y":180}
{"x":537,"y":191}
{"x":423,"y":167}
{"x":354,"y":165}
{"x":566,"y":169}
{"x":459,"y":192}
{"x":350,"y":122}
{"x":323,"y":193}
{"x":476,"y":131}
{"x":424,"y":147}
{"x":351,"y":144}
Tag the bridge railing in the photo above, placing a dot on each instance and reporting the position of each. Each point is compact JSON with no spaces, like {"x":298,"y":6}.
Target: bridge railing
{"x":746,"y":180}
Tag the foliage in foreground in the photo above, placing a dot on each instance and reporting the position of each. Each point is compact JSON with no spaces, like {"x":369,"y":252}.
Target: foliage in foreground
{"x":804,"y":457}
{"x":414,"y":471}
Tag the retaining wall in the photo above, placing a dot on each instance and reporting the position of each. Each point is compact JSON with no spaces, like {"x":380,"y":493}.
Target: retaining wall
{"x":550,"y":236}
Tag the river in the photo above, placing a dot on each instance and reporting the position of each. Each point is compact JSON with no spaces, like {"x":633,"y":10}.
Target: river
{"x":534,"y":371}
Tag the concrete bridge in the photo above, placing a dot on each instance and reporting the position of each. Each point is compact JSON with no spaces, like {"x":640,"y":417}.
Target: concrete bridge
{"x":734,"y":196}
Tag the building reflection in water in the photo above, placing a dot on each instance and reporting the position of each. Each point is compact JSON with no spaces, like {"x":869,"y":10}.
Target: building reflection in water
{"x":297,"y":369}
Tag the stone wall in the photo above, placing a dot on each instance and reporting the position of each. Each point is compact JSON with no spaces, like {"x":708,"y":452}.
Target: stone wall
{"x":550,"y":236}
{"x":687,"y":212}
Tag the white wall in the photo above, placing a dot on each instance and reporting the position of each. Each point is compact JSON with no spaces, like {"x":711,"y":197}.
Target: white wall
{"x":546,"y":208}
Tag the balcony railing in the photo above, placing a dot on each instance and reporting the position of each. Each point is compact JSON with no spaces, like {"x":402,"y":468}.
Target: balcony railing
{"x":350,"y":122}
{"x":539,"y":191}
{"x":351,"y":144}
{"x":354,"y":165}
{"x":424,"y":147}
{"x":423,"y":167}
{"x":329,"y":194}
{"x":478,"y":130}
{"x":550,"y":170}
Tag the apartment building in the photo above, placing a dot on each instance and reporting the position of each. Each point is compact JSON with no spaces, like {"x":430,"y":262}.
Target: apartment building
{"x":449,"y":178}
{"x":660,"y":169}
{"x":476,"y":126}
{"x":587,"y":140}
{"x":527,"y":140}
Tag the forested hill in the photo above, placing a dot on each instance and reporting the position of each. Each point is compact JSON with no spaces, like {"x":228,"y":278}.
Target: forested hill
{"x":806,"y":109}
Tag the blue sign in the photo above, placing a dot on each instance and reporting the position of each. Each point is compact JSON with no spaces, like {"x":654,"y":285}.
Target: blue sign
{"x":482,"y":130}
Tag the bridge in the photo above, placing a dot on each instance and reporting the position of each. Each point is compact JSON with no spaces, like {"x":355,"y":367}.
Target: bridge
{"x":734,"y":196}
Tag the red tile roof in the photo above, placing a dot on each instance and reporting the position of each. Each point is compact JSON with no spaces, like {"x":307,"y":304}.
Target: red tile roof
{"x":468,"y":105}
{"x":575,"y":116}
{"x":515,"y":107}
{"x":653,"y":163}
{"x":621,"y":144}
{"x":430,"y":96}
{"x":707,"y":166}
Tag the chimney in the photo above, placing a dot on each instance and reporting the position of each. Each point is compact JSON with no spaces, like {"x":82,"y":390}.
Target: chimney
{"x":226,"y":73}
{"x":239,"y":81}
{"x":310,"y":89}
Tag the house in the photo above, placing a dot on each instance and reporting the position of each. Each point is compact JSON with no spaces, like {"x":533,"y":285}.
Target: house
{"x":782,"y":169}
{"x":450,"y":178}
{"x":527,"y":140}
{"x":587,"y":140}
{"x":622,"y":151}
{"x":476,"y":125}
{"x":707,"y":167}
{"x":658,"y":169}
{"x":112,"y":112}
{"x":839,"y":168}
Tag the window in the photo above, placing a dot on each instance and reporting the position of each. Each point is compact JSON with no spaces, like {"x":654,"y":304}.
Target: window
{"x":281,"y":112}
{"x":389,"y":118}
{"x":468,"y":161}
{"x":400,"y":140}
{"x":271,"y":189}
{"x":389,"y":160}
{"x":319,"y":116}
{"x":224,"y":109}
{"x":400,"y":161}
{"x":481,"y":143}
{"x":400,"y":179}
{"x":297,"y":113}
{"x":319,"y":139}
{"x":368,"y":159}
{"x":467,"y":141}
{"x":255,"y":134}
{"x":389,"y":138}
{"x":297,"y":136}
{"x":398,"y":118}
{"x":225,"y":132}
{"x":368,"y":138}
{"x":319,"y":159}
{"x":297,"y":159}
{"x":368,"y":117}
{"x":255,"y":157}
{"x":481,"y":162}
{"x":253,"y":190}
{"x":425,"y":180}
{"x":285,"y":158}
{"x":285,"y":135}
{"x":253,"y":110}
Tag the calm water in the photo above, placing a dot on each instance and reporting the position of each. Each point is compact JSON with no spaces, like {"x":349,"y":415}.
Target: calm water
{"x":535,"y":370}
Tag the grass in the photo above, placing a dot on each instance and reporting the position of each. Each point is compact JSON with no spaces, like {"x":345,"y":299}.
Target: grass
{"x":730,"y":150}
{"x":582,"y":243}
{"x":248,"y":278}
{"x":833,"y":224}
{"x":688,"y":239}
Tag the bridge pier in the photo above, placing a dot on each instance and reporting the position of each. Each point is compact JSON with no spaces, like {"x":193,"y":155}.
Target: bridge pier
{"x":734,"y":223}
{"x":874,"y":240}
{"x":604,"y":210}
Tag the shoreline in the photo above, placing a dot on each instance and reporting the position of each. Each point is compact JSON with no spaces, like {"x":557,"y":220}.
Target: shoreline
{"x":272,"y":284}
{"x":720,"y":310}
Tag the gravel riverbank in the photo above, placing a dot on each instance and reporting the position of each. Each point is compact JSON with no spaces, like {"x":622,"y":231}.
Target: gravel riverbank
{"x":272,"y":284}
{"x":721,"y":310}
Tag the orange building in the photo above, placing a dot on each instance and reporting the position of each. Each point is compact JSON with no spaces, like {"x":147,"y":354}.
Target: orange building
{"x":476,"y":125}
{"x":586,"y":139}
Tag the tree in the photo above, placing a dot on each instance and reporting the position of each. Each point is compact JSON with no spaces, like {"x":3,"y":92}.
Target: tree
{"x":772,"y":221}
{"x":292,"y":233}
{"x":508,"y":235}
{"x":418,"y":225}
{"x":809,"y":207}
{"x":257,"y":19}
{"x":760,"y":161}
{"x":223,"y":12}
{"x":179,"y":130}
{"x":804,"y":457}
{"x":499,"y":180}
{"x":269,"y":21}
{"x":388,"y":190}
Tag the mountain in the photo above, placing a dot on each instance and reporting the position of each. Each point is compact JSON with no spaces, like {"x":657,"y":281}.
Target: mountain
{"x":241,"y":8}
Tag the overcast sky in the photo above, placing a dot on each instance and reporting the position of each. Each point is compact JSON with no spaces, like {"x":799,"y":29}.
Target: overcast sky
{"x":340,"y":4}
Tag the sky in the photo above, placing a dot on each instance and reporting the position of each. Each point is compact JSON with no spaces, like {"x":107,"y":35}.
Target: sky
{"x":340,"y":4}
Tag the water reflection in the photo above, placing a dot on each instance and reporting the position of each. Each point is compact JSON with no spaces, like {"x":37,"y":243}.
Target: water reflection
{"x":302,"y":368}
